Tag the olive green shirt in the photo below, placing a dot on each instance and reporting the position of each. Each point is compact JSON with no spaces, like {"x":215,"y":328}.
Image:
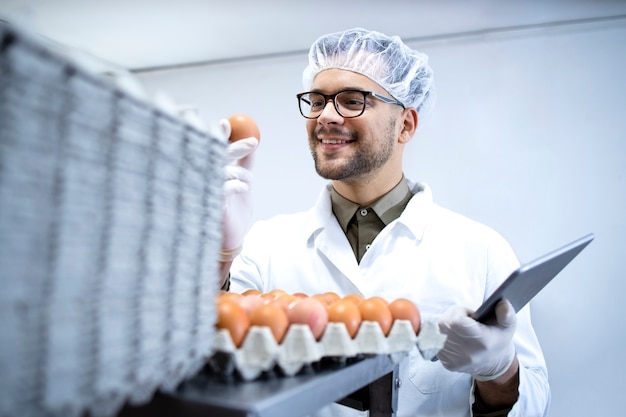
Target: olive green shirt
{"x":362,"y":224}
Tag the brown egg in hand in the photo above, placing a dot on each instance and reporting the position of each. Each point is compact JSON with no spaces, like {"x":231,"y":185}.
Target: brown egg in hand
{"x":241,"y":127}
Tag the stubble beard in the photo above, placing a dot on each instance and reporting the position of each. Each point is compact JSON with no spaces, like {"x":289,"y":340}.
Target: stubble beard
{"x":364,"y":160}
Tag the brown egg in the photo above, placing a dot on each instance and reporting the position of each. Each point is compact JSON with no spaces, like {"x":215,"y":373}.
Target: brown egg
{"x":403,"y":309}
{"x":373,"y":309}
{"x":277,"y":292}
{"x":251,"y":291}
{"x":327,"y":298}
{"x":355,"y":298}
{"x":243,"y":126}
{"x":273,"y":316}
{"x":381,"y":299}
{"x":346,"y":312}
{"x":229,"y":295}
{"x":310,"y":311}
{"x":232,"y":317}
{"x":300,"y":294}
{"x":250,"y":302}
{"x":333,"y":297}
{"x":269,"y":296}
{"x":284,"y":300}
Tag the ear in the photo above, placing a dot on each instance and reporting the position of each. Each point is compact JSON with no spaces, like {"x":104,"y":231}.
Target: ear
{"x":409,"y":124}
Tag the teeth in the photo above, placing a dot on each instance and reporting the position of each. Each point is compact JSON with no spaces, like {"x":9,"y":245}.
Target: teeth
{"x":334,"y":142}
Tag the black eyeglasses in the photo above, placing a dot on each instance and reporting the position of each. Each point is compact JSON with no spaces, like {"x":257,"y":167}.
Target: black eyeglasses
{"x":348,"y":103}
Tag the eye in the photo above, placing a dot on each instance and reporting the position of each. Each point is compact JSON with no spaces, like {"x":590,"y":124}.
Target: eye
{"x":351,"y":100}
{"x":316,"y":101}
{"x":354,"y":102}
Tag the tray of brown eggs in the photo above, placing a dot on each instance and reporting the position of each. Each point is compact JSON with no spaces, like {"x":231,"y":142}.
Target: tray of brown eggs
{"x":257,"y":332}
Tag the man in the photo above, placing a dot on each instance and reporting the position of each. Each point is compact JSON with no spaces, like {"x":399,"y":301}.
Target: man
{"x":374,"y":232}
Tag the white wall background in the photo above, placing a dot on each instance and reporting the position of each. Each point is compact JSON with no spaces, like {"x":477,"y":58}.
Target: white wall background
{"x":528,"y":136}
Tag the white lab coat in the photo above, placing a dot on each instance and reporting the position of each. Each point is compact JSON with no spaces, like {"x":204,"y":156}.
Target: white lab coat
{"x":430,"y":255}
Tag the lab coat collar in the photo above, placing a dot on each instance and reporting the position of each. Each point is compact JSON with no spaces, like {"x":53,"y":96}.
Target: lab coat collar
{"x":414,"y":217}
{"x":418,"y":212}
{"x":322,"y":211}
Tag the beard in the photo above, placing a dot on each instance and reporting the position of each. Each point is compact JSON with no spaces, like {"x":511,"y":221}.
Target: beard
{"x":366,"y":157}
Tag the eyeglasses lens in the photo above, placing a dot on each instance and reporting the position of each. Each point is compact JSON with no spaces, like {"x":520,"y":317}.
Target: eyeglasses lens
{"x":347,"y":103}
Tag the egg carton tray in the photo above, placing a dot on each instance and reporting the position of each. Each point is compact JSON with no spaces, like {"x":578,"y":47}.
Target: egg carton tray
{"x":110,"y":229}
{"x":260,"y":354}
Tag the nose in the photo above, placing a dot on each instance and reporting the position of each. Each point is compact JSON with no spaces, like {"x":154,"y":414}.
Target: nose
{"x":330,"y":114}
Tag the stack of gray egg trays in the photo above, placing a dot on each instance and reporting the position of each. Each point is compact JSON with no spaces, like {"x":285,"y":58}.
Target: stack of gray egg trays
{"x":110,"y":214}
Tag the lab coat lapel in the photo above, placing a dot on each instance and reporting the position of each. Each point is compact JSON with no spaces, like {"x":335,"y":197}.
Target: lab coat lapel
{"x":331,"y":242}
{"x":334,"y":246}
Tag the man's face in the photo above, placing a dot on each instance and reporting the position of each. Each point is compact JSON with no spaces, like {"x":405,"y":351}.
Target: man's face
{"x":348,"y":149}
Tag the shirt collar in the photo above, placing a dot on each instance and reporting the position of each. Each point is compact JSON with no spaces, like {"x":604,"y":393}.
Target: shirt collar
{"x":414,"y":218}
{"x":387,"y":208}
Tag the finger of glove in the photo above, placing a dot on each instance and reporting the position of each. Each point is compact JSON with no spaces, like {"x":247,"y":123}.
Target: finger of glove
{"x":242,"y":151}
{"x":459,"y":355}
{"x":225,"y":127}
{"x":464,"y":328}
{"x":505,"y":314}
{"x":236,"y":172}
{"x":456,"y":322}
{"x":452,"y":360}
{"x":235,"y":187}
{"x":454,"y":312}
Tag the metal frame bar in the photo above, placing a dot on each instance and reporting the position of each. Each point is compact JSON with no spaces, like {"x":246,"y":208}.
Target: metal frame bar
{"x":280,"y":396}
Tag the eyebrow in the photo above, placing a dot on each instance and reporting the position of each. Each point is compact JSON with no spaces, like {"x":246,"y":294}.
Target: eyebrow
{"x":319,"y":90}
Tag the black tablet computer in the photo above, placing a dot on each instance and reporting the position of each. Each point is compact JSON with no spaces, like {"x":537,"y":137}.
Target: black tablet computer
{"x":525,"y":282}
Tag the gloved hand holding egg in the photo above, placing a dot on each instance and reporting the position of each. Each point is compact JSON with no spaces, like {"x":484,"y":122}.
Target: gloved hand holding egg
{"x":244,"y":136}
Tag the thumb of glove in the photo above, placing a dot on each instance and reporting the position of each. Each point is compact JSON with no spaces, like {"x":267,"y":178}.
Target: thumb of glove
{"x":503,"y":331}
{"x":225,"y":127}
{"x":242,"y":151}
{"x":505,"y":314}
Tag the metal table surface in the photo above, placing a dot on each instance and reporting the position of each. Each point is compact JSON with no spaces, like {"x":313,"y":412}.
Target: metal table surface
{"x":369,"y":383}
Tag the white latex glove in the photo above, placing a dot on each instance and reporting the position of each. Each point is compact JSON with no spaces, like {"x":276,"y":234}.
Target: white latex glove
{"x":485,"y":352}
{"x":237,"y":194}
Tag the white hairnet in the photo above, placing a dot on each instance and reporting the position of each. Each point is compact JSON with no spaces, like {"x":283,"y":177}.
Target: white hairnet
{"x":402,"y":71}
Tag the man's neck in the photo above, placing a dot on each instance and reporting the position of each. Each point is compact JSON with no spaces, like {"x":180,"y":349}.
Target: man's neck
{"x":366,"y":190}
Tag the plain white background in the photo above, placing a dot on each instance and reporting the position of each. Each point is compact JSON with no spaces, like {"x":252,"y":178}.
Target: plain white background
{"x":528,"y":136}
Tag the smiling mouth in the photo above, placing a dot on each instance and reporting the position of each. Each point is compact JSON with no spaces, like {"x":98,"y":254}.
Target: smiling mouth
{"x":336,"y":141}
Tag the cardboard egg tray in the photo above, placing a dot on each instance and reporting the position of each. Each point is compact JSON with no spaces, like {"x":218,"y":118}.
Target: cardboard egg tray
{"x":259,"y":352}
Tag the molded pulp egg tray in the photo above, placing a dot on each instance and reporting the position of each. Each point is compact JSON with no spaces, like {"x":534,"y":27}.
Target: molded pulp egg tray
{"x":260,"y":354}
{"x":110,"y":229}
